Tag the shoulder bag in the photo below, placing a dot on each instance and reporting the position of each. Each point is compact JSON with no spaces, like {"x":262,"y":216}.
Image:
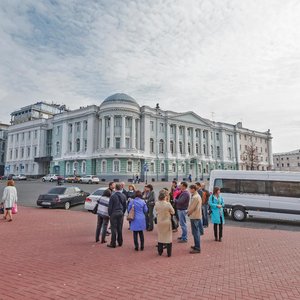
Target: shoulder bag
{"x":131,"y":213}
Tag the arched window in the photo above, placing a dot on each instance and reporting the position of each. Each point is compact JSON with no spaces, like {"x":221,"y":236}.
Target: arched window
{"x":180,"y":147}
{"x":218,"y":152}
{"x":57,"y":148}
{"x":75,"y":167}
{"x":161,"y":146}
{"x":162,"y":167}
{"x":77,"y":145}
{"x":199,"y":168}
{"x":212,"y":150}
{"x":103,"y":166}
{"x":139,"y":166}
{"x":204,"y":149}
{"x":151,"y":145}
{"x":229,"y":153}
{"x":83,"y":167}
{"x":172,"y":147}
{"x":183,"y":167}
{"x":197,"y":148}
{"x":189,"y":148}
{"x":68,"y":171}
{"x":173,"y":167}
{"x":129,"y":166}
{"x":116,"y":166}
{"x":152,"y":167}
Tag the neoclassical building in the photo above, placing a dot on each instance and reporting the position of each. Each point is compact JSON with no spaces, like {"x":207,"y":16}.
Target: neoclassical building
{"x":121,"y":139}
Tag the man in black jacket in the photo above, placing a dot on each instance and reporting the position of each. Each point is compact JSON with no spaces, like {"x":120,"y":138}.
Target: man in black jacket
{"x":149,"y":197}
{"x":116,"y":210}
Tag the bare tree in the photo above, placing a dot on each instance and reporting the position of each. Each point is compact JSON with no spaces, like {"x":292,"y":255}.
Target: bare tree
{"x":250,"y":157}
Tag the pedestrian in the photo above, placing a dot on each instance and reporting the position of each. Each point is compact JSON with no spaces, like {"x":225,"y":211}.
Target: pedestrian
{"x":116,"y":210}
{"x":164,"y":212}
{"x":138,"y":224}
{"x":168,"y":194}
{"x":149,"y":197}
{"x":217,"y":205}
{"x":111,"y":186}
{"x":123,"y":189}
{"x":102,"y":216}
{"x":190,"y":177}
{"x":195,"y":215}
{"x":9,"y":199}
{"x":182,"y":203}
{"x":131,"y":192}
{"x":205,"y":196}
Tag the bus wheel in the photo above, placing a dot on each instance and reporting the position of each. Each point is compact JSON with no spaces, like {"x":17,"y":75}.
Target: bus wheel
{"x":238,"y":214}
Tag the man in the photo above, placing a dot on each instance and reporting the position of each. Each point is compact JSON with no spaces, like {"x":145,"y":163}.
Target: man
{"x":149,"y":196}
{"x":116,"y":210}
{"x":111,"y":186}
{"x":123,"y":189}
{"x":205,"y":197}
{"x":200,"y":192}
{"x":195,"y":214}
{"x":182,"y":203}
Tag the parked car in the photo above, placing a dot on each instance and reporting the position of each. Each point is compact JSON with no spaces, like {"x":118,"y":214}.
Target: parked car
{"x":19,"y":177}
{"x":50,"y":177}
{"x":92,"y":199}
{"x":72,"y":179}
{"x":89,"y":179}
{"x":62,"y":196}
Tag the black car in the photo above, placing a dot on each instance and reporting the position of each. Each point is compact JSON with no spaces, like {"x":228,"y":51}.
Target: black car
{"x":62,"y":196}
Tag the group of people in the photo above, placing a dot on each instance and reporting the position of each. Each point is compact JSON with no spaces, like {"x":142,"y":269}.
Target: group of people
{"x":180,"y":202}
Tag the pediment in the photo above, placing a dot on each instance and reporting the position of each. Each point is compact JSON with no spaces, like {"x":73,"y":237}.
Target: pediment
{"x":191,"y":117}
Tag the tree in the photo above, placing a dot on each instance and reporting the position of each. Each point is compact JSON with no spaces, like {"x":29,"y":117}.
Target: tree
{"x":250,"y":157}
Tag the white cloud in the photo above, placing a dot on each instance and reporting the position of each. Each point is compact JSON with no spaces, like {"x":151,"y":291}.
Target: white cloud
{"x":239,"y":59}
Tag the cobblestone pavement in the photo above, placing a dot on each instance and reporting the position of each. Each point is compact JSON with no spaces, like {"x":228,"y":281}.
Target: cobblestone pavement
{"x":51,"y":254}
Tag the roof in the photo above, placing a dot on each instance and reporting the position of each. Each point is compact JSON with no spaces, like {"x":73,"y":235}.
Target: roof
{"x":120,"y":97}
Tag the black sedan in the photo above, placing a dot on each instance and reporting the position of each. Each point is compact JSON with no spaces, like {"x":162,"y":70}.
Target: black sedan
{"x":62,"y":196}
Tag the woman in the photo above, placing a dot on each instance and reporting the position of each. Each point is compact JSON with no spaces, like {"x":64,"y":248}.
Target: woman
{"x":138,"y":224}
{"x":9,"y":198}
{"x":102,"y":218}
{"x":216,"y":204}
{"x":131,"y":192}
{"x":164,"y":212}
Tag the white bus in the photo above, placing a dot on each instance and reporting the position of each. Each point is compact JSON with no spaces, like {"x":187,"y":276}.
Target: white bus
{"x":258,"y":191}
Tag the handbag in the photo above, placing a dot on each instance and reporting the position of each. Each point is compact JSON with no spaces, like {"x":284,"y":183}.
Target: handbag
{"x":14,"y":209}
{"x":174,"y":222}
{"x":131,"y":214}
{"x":95,"y":210}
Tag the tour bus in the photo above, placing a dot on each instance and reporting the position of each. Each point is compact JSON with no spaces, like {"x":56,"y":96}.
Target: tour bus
{"x":258,"y":191}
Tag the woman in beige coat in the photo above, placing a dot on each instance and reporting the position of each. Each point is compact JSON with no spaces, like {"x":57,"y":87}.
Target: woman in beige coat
{"x":164,"y":211}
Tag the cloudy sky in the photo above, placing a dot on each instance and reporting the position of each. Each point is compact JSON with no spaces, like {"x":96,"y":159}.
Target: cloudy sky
{"x":237,"y":59}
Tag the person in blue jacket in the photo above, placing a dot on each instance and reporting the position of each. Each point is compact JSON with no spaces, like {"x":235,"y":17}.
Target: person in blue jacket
{"x":138,"y":225}
{"x":217,"y":205}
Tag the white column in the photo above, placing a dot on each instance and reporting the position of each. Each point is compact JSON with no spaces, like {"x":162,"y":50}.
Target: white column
{"x":112,"y":132}
{"x":103,"y":132}
{"x":177,"y":140}
{"x":123,"y":132}
{"x":81,"y":137}
{"x":73,"y":137}
{"x":270,"y":152}
{"x":194,"y":141}
{"x":167,"y":142}
{"x":208,"y":143}
{"x":90,"y":135}
{"x":186,"y":140}
{"x":64,"y":134}
{"x":138,"y":121}
{"x":133,"y":134}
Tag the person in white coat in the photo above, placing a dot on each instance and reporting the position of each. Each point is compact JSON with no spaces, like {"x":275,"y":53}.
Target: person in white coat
{"x":9,"y":198}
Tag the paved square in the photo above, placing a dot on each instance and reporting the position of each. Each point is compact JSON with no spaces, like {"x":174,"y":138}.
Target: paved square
{"x":51,"y":254}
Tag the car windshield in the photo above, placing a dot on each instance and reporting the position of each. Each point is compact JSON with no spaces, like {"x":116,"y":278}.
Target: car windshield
{"x":57,"y":191}
{"x":98,"y":193}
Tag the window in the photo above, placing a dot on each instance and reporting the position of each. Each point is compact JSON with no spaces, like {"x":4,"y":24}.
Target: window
{"x":183,"y":168}
{"x":180,"y":147}
{"x":287,"y":158}
{"x":189,"y":148}
{"x":103,"y":166}
{"x":83,"y":167}
{"x":152,"y":125}
{"x":17,"y":137}
{"x":70,"y":128}
{"x":217,"y":136}
{"x":29,"y":135}
{"x":204,"y":134}
{"x":22,"y":152}
{"x":162,"y":167}
{"x":161,"y":146}
{"x":152,"y":167}
{"x":107,"y":122}
{"x":173,"y":167}
{"x":252,"y":187}
{"x":212,"y":150}
{"x":107,"y":142}
{"x":197,"y":148}
{"x":287,"y":164}
{"x":229,"y":138}
{"x":116,"y":166}
{"x":85,"y":144}
{"x":151,"y":146}
{"x":129,"y":166}
{"x":127,"y":142}
{"x":172,"y":147}
{"x":57,"y":148}
{"x":197,"y":133}
{"x":285,"y":189}
{"x":57,"y":130}
{"x":127,"y":122}
{"x":77,"y":124}
{"x":282,"y":165}
{"x":229,"y":153}
{"x":35,"y":151}
{"x":10,"y":154}
{"x":70,"y":146}
{"x":171,"y":129}
{"x":28,"y":151}
{"x":181,"y":130}
{"x":227,"y":185}
{"x":118,"y":121}
{"x":189,"y":131}
{"x":68,"y":171}
{"x":77,"y":145}
{"x":204,"y":149}
{"x":218,"y":152}
{"x":118,"y":143}
{"x":85,"y":125}
{"x":23,"y":136}
{"x":161,"y":127}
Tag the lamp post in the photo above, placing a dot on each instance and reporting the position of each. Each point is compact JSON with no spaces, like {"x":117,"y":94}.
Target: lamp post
{"x":158,"y":113}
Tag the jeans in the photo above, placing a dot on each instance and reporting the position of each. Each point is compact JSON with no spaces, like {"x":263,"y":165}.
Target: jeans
{"x":150,"y":218}
{"x":220,"y":229}
{"x":116,"y":221}
{"x":102,"y":222}
{"x":160,"y":248}
{"x":205,"y":215}
{"x":135,"y":239}
{"x":182,"y":222}
{"x":195,"y":224}
{"x":201,"y":229}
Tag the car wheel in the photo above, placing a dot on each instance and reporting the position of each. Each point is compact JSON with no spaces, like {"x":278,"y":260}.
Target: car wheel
{"x":238,"y":214}
{"x":67,"y":205}
{"x":43,"y":180}
{"x":51,"y":180}
{"x":90,"y":182}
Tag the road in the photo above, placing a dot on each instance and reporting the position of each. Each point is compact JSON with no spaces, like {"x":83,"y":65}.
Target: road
{"x":28,"y":192}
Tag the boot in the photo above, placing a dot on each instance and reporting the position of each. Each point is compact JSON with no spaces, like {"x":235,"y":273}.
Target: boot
{"x":169,"y":249}
{"x":160,"y":248}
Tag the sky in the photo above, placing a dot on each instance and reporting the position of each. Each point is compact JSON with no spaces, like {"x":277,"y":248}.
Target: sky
{"x":231,"y":60}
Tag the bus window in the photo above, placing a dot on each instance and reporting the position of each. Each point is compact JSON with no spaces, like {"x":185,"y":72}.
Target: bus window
{"x":253,"y":187}
{"x":285,"y":189}
{"x":227,"y":185}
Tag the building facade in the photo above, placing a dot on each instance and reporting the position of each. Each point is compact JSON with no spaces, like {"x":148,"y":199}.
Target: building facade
{"x":3,"y":143}
{"x":119,"y":140}
{"x":287,"y":161}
